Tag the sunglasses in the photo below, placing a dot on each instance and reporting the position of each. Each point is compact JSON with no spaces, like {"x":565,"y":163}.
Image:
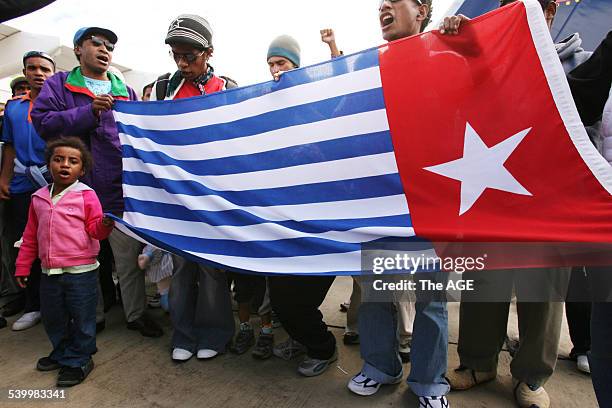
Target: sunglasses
{"x":190,"y":58}
{"x":419,"y":2}
{"x":97,"y":41}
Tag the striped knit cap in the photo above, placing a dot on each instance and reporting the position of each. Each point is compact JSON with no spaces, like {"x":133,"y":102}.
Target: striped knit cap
{"x":190,"y":29}
{"x":287,"y":47}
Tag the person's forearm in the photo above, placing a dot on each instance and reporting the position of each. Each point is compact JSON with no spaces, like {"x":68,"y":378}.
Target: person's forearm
{"x":8,"y":165}
{"x":334,"y":49}
{"x":52,"y":124}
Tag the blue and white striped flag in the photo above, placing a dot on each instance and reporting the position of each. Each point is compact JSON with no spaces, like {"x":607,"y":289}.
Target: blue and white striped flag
{"x":296,"y":176}
{"x":287,"y":177}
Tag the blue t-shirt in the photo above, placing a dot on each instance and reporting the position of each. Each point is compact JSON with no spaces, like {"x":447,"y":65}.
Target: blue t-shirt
{"x":19,"y":132}
{"x":97,"y":86}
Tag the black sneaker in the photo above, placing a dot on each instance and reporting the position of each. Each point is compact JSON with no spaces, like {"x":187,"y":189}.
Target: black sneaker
{"x":2,"y":322}
{"x":244,"y":340}
{"x":263,"y":347}
{"x":47,"y":364}
{"x":153,"y":302}
{"x":71,"y":376}
{"x":146,"y":327}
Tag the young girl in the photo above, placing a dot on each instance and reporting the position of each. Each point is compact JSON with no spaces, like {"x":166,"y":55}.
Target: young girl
{"x":65,"y":222}
{"x":158,"y":265}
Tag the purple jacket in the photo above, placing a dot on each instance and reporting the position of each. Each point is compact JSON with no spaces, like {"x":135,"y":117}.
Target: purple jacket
{"x":63,"y":108}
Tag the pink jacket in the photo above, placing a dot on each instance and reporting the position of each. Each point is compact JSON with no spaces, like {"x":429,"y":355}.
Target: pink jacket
{"x":63,"y":235}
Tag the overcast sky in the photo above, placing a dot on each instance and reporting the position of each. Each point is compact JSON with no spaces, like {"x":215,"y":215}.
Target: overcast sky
{"x":242,"y":29}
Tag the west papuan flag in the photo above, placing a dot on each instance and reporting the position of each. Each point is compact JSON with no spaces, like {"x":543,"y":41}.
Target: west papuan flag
{"x":472,"y":137}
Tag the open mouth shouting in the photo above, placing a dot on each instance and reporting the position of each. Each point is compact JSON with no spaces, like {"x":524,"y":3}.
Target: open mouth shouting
{"x":386,"y":20}
{"x":102,"y":59}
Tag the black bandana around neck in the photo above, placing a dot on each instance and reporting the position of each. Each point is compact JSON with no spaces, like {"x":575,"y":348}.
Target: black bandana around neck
{"x":200,"y":82}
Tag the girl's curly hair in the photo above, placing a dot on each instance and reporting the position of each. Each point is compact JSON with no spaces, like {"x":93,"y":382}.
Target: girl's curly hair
{"x":74,"y":143}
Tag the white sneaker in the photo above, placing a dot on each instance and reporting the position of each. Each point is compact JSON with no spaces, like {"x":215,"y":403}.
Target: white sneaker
{"x":582,"y":363}
{"x":205,"y":354}
{"x":433,"y":402}
{"x":362,"y":385}
{"x":179,"y":354}
{"x":26,"y":321}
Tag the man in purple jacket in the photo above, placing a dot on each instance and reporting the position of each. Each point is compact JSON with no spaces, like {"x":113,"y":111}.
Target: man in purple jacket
{"x":78,"y":103}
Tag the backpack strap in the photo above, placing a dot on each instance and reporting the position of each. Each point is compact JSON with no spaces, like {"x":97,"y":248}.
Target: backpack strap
{"x":161,"y":86}
{"x":229,"y":82}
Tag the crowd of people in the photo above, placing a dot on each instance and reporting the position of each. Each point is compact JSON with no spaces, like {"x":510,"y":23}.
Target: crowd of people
{"x":64,"y":263}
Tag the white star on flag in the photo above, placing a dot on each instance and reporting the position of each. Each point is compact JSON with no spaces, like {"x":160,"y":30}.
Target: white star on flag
{"x":482,"y":167}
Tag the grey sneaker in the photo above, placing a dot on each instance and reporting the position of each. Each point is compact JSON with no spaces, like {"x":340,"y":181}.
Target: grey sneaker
{"x":288,"y":349}
{"x":244,"y":340}
{"x":311,"y":367}
{"x":263,"y":347}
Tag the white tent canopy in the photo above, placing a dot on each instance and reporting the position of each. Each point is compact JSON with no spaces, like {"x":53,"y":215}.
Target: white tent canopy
{"x":14,"y":43}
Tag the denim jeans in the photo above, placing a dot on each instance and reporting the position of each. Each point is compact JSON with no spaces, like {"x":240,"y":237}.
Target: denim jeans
{"x":200,"y":307}
{"x":379,"y":343}
{"x":68,"y":307}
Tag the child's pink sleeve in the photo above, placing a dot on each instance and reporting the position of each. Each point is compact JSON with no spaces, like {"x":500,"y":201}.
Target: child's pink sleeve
{"x":93,"y":217}
{"x":28,"y":252}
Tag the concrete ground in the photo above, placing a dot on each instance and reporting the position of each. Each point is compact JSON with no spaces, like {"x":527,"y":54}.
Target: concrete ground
{"x":133,"y":371}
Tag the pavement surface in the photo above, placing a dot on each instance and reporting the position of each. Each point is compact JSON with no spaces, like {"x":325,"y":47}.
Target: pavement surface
{"x":133,"y":371}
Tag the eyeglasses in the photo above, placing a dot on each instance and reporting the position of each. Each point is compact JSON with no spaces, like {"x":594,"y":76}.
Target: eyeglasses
{"x":189,"y":57}
{"x":97,"y":41}
{"x":419,"y":2}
